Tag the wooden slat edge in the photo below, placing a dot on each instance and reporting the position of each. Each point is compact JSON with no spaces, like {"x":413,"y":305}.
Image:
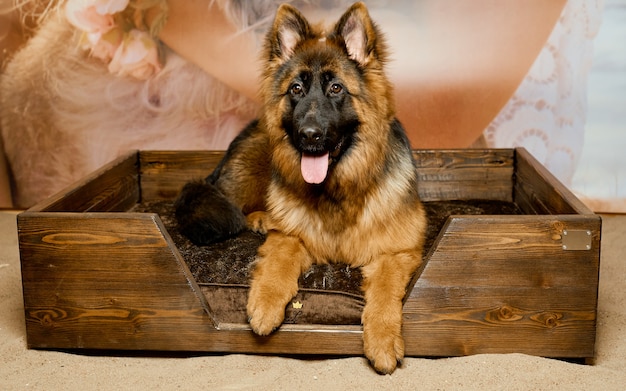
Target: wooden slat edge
{"x":465,"y":174}
{"x":547,"y":195}
{"x":78,"y":197}
{"x":163,"y":173}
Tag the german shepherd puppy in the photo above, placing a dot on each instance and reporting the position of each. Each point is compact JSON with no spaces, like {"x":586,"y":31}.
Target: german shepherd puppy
{"x":326,"y":172}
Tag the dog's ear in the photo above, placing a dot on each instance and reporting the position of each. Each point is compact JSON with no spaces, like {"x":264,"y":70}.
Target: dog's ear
{"x":289,"y":28}
{"x":360,"y":34}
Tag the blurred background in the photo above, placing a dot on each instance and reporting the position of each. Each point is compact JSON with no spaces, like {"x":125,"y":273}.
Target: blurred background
{"x":600,"y":179}
{"x":600,"y":176}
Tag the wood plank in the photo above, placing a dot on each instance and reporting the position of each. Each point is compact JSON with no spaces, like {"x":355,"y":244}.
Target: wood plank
{"x":505,"y":284}
{"x":517,"y":250}
{"x":443,"y":175}
{"x":164,"y":173}
{"x":538,"y":191}
{"x":465,"y":174}
{"x":134,"y":275}
{"x":482,"y":330}
{"x":114,"y":187}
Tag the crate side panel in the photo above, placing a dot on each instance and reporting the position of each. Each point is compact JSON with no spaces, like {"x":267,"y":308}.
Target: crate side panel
{"x":465,"y":174}
{"x":505,"y":284}
{"x":104,"y":281}
{"x":537,"y":191}
{"x":491,"y":324}
{"x":164,"y":173}
{"x":111,"y":281}
{"x":112,"y":188}
{"x":443,"y":175}
{"x":513,"y":243}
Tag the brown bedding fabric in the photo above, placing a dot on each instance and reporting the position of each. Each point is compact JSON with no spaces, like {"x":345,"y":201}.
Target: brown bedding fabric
{"x":329,"y":294}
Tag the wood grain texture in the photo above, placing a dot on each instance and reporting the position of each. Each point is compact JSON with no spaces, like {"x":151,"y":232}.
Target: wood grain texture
{"x":467,"y":174}
{"x":537,"y":191}
{"x":164,"y":173}
{"x":505,"y":284}
{"x":100,"y":279}
{"x":114,"y":187}
{"x":112,"y":281}
{"x":491,"y":284}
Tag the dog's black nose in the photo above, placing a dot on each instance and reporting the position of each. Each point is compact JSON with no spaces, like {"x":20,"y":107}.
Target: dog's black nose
{"x":311,"y":135}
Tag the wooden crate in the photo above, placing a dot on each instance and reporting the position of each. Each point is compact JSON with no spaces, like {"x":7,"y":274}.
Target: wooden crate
{"x":96,"y":276}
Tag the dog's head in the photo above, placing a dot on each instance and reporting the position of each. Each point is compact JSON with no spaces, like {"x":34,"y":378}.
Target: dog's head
{"x":321,"y":86}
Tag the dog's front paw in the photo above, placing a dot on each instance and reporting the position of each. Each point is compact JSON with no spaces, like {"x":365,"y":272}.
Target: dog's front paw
{"x":382,"y":336}
{"x":274,"y":282}
{"x":383,"y":348}
{"x":266,"y":311}
{"x":258,"y":222}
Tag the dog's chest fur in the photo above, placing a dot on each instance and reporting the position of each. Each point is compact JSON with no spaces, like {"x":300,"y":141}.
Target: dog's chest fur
{"x":329,"y":222}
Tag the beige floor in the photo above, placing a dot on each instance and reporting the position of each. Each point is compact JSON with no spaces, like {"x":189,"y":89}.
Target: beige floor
{"x":23,"y":369}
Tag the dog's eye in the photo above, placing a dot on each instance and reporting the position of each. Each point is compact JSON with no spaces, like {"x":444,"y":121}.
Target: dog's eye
{"x":296,"y":89}
{"x":335,"y":88}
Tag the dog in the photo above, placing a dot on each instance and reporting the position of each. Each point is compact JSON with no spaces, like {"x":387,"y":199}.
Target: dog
{"x":326,"y":172}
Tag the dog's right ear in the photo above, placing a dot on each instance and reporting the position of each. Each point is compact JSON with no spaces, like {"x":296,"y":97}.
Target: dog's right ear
{"x":289,"y":29}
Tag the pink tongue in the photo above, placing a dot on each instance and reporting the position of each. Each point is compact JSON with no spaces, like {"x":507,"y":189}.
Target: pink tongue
{"x":314,"y":168}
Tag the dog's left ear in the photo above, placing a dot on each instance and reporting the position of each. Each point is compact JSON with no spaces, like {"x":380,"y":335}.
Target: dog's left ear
{"x":360,"y":35}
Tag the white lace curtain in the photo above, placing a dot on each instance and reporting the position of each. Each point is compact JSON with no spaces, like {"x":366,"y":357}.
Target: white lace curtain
{"x":547,"y":113}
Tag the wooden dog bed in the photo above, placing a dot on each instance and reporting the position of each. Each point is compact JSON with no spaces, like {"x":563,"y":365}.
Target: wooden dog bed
{"x":510,"y":265}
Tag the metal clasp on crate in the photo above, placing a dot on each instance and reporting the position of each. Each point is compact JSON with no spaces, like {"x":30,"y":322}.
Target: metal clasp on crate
{"x":576,"y":240}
